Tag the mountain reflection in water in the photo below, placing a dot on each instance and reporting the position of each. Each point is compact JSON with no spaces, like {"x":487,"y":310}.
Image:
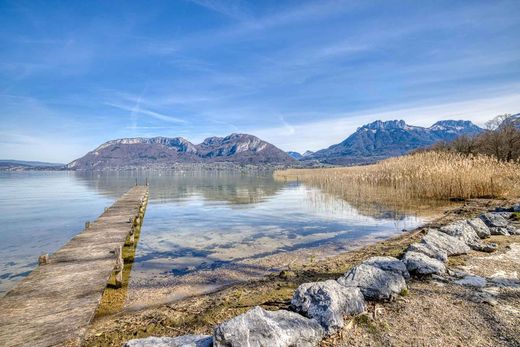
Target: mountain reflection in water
{"x":195,"y":220}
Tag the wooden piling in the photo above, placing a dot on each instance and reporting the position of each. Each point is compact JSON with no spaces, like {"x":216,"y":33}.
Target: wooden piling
{"x":118,"y":268}
{"x":43,"y":259}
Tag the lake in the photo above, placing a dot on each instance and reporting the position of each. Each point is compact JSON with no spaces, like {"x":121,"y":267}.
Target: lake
{"x":196,"y":222}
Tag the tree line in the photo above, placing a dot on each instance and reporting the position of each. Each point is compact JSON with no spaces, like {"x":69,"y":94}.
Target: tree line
{"x":500,"y":139}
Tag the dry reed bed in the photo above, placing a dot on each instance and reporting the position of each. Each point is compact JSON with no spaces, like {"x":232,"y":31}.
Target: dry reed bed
{"x":426,"y":175}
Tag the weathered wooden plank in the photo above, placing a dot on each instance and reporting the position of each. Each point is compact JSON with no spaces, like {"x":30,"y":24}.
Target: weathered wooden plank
{"x":56,"y":302}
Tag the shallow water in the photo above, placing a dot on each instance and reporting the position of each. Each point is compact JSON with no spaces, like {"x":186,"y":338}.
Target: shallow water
{"x":194,"y":220}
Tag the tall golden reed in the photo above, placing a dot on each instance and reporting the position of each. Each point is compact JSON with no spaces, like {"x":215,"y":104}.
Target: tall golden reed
{"x":426,"y":175}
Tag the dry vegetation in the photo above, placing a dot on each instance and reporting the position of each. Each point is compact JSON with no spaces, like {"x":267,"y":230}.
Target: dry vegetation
{"x":435,"y":175}
{"x":501,"y":140}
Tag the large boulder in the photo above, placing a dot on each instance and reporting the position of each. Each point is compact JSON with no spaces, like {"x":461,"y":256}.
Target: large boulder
{"x":421,"y":264}
{"x":180,"y":341}
{"x":494,"y":220}
{"x":374,"y":283}
{"x":461,"y":230}
{"x":451,"y":245}
{"x":389,"y":264}
{"x":480,"y":227}
{"x":328,"y":302}
{"x":465,"y":232}
{"x":258,"y":327}
{"x":430,"y":250}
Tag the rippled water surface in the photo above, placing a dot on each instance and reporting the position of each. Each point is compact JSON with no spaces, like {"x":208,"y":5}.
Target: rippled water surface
{"x":194,"y":220}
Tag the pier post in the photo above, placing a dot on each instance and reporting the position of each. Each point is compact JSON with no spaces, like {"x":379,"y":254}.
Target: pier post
{"x":43,"y":259}
{"x":131,"y":239}
{"x":119,"y":266}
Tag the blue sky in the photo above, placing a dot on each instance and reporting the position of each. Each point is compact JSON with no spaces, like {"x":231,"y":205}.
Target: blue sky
{"x":300,"y":74}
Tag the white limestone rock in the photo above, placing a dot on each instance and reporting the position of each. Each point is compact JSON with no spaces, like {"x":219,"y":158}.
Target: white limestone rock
{"x":451,"y":245}
{"x":258,"y":327}
{"x":421,"y":264}
{"x":494,"y":220}
{"x":374,"y":283}
{"x":480,"y":227}
{"x":328,"y":302}
{"x":430,"y":250}
{"x":389,"y":264}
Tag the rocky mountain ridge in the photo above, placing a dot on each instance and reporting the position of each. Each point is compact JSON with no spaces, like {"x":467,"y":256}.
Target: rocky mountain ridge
{"x":382,"y":139}
{"x":371,"y":142}
{"x":163,"y":151}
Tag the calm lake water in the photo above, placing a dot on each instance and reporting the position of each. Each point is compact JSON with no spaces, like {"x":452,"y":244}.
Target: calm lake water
{"x":194,"y":220}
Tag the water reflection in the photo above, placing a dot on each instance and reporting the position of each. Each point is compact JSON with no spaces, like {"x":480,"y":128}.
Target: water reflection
{"x":165,"y":186}
{"x":195,"y":220}
{"x":193,"y":234}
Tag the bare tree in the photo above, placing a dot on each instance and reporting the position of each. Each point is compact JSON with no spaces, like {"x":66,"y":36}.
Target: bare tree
{"x":501,"y":140}
{"x":503,"y":143}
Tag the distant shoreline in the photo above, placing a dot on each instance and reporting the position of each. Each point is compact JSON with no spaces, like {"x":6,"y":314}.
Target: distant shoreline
{"x":216,"y":166}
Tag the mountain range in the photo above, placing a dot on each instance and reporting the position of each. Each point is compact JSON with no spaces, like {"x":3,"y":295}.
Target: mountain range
{"x":379,"y":140}
{"x":164,"y":151}
{"x":371,"y":142}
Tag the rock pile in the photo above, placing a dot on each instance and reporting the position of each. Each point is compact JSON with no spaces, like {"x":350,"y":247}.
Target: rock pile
{"x":319,"y":308}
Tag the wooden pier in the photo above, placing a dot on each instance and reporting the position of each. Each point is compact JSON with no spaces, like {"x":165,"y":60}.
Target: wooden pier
{"x":54,"y":304}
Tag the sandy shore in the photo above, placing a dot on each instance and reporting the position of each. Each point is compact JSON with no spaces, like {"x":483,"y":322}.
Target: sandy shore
{"x":281,"y":274}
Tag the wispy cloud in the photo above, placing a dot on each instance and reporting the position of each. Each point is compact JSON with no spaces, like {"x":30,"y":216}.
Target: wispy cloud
{"x":288,"y":127}
{"x":139,"y":110}
{"x":235,"y":9}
